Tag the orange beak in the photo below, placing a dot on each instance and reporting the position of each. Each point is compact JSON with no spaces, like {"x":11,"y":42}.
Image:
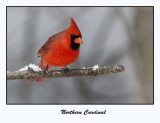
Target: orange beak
{"x":78,"y":40}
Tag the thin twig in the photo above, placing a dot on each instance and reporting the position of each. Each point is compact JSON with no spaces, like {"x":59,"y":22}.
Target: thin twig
{"x":30,"y":73}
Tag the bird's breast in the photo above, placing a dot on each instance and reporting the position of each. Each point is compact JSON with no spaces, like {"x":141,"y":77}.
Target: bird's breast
{"x":60,"y":56}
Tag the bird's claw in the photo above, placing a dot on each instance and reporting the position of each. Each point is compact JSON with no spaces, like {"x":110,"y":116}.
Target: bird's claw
{"x":46,"y":72}
{"x":65,"y":68}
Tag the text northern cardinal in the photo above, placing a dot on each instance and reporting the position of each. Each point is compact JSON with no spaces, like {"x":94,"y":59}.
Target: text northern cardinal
{"x":60,"y":50}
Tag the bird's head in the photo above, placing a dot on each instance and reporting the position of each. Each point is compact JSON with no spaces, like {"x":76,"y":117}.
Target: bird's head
{"x":75,"y":35}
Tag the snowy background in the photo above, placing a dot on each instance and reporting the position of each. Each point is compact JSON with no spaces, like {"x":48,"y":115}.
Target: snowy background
{"x":111,"y":36}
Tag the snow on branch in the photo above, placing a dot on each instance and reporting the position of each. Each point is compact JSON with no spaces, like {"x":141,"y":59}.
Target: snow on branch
{"x":33,"y":71}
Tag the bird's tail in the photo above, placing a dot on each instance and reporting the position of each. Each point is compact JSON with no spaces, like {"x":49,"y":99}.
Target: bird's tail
{"x":43,"y":66}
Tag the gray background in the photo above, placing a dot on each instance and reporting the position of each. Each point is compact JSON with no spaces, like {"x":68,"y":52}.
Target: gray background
{"x":111,"y":36}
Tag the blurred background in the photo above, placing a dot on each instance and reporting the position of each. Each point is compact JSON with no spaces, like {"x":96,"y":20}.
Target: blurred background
{"x":111,"y":36}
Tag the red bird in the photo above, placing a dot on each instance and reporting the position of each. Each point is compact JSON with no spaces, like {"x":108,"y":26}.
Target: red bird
{"x":60,"y":50}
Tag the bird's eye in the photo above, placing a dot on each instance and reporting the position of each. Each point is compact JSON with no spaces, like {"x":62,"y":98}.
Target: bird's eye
{"x":75,"y":36}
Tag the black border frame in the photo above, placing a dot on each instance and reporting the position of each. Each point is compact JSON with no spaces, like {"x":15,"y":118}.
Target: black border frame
{"x":79,"y":103}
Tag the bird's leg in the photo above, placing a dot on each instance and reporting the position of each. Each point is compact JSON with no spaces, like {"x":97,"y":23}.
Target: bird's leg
{"x":46,"y":70}
{"x":65,"y":68}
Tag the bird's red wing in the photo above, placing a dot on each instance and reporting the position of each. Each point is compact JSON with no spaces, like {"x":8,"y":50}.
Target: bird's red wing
{"x":45,"y":48}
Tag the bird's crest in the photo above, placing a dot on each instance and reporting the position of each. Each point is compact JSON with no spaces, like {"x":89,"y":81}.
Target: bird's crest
{"x":74,"y":28}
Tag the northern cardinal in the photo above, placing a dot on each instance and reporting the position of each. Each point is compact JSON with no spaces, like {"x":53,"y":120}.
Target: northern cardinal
{"x":60,"y":50}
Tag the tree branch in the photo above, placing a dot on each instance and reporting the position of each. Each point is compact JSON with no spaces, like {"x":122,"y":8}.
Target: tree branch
{"x":30,"y":73}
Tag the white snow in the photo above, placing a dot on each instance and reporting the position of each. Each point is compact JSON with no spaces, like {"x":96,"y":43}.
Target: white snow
{"x":95,"y":67}
{"x":33,"y":66}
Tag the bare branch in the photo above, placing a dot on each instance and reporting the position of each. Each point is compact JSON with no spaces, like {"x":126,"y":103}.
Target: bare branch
{"x":30,"y":73}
